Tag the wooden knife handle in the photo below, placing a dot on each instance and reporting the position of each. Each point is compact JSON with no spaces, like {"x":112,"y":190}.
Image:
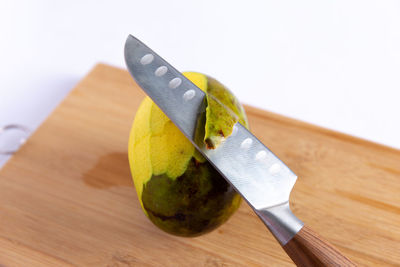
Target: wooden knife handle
{"x":306,"y":248}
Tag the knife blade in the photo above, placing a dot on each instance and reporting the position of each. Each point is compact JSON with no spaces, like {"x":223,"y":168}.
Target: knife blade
{"x":256,"y":173}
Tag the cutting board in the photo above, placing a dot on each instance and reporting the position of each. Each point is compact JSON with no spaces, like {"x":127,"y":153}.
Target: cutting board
{"x":67,"y":198}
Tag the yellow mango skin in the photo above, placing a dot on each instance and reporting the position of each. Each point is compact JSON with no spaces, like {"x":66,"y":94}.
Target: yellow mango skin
{"x":156,"y":146}
{"x":179,"y":191}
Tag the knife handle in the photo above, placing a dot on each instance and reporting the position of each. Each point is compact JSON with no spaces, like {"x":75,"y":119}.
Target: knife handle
{"x":302,"y":244}
{"x":306,"y":248}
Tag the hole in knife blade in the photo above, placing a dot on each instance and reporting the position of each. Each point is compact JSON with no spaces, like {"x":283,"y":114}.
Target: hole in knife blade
{"x":146,"y":59}
{"x":160,"y":71}
{"x":189,"y":94}
{"x":174,"y":83}
{"x":261,"y":155}
{"x":275,"y":168}
{"x":246,"y":143}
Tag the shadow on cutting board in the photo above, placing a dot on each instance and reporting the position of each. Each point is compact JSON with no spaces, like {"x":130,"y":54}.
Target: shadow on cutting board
{"x":110,"y":170}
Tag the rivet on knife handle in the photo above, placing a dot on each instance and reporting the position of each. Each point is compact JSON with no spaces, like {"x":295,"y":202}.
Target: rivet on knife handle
{"x":257,"y":174}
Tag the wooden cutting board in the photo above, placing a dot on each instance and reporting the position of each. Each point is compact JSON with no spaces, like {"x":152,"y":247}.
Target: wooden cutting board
{"x":67,"y":198}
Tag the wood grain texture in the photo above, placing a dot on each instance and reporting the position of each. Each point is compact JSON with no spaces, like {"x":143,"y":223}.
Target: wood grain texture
{"x":67,"y":199}
{"x":307,"y":248}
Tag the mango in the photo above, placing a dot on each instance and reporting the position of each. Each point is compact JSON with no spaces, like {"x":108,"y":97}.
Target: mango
{"x":179,"y":191}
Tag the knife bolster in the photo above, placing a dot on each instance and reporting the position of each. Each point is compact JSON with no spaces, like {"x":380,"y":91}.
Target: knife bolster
{"x":280,"y":220}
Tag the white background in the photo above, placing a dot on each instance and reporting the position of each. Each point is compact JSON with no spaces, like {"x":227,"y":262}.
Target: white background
{"x":331,"y":63}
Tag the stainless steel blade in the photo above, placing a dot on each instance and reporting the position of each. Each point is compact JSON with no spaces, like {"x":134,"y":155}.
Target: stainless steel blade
{"x":262,"y":179}
{"x":165,"y":85}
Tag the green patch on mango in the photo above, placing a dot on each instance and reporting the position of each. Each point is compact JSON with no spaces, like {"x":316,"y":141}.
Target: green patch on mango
{"x":192,"y":204}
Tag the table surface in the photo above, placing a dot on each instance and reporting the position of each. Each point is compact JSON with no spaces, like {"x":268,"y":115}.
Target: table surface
{"x":67,"y":198}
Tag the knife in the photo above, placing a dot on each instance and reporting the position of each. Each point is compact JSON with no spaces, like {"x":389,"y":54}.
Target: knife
{"x":259,"y":176}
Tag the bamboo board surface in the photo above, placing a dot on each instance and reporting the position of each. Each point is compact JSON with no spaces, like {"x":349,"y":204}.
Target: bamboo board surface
{"x":67,"y":198}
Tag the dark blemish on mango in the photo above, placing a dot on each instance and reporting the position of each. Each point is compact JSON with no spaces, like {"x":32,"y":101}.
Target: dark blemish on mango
{"x":209,"y":144}
{"x":177,"y":216}
{"x":193,"y":204}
